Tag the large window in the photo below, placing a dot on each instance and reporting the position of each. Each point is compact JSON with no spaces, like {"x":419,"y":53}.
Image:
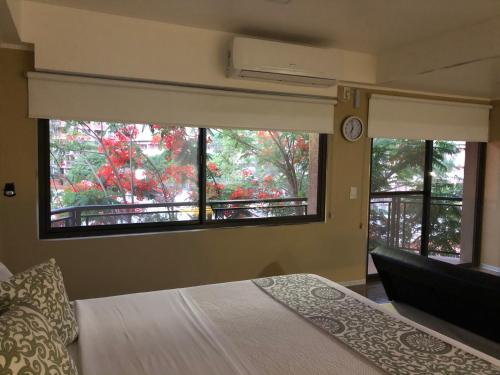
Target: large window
{"x":424,"y":197}
{"x":103,"y":178}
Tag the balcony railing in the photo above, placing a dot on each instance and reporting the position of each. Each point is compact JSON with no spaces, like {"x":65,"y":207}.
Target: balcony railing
{"x":75,"y":216}
{"x":396,"y":220}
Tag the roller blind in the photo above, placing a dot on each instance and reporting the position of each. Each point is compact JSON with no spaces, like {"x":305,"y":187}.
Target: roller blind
{"x":79,"y":98}
{"x":407,"y":118}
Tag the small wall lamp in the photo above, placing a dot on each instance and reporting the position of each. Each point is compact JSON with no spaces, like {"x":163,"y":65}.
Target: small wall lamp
{"x":9,"y":189}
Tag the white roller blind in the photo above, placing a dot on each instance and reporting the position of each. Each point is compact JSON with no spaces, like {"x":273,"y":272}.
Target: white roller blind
{"x":80,"y":98}
{"x":407,"y":118}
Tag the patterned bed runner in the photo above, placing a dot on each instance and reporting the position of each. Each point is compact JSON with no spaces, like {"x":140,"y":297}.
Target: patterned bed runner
{"x":391,"y":344}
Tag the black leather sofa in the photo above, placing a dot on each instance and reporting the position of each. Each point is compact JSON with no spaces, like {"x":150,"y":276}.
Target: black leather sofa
{"x":467,"y":298}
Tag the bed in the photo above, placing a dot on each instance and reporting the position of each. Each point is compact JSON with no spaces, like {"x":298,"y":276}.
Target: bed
{"x":295,"y":324}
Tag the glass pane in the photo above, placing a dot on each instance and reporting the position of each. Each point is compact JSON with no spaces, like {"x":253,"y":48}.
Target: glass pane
{"x":396,"y":222}
{"x":109,"y":173}
{"x":397,"y":165}
{"x":259,"y":174}
{"x":448,"y":168}
{"x":445,"y":228}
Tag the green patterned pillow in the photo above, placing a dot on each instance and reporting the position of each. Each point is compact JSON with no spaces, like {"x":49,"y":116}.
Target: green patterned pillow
{"x":42,"y":286}
{"x":29,"y":345}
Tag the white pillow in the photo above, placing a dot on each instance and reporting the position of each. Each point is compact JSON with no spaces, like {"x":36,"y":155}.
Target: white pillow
{"x":5,"y":274}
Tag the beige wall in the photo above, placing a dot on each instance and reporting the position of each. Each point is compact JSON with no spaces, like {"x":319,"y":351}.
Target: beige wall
{"x":490,"y":250}
{"x":1,"y":246}
{"x":116,"y":46}
{"x":104,"y":266}
{"x":111,"y":265}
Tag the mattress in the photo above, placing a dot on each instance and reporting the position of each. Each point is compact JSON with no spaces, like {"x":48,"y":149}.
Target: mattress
{"x":231,"y":328}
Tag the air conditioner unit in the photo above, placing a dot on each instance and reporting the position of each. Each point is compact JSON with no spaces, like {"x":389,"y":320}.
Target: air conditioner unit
{"x":282,"y":62}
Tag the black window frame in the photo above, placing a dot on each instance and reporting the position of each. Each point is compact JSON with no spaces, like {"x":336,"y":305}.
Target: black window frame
{"x":46,"y":231}
{"x":428,"y":198}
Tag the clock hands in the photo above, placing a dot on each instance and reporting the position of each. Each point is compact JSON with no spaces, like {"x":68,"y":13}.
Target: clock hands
{"x":352,"y":128}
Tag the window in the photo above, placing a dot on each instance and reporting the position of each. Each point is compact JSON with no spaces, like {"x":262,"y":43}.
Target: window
{"x":254,"y":174}
{"x":103,"y":178}
{"x":418,"y":201}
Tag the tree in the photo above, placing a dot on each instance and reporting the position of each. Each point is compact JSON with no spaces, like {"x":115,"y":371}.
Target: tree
{"x":257,"y":165}
{"x":398,"y":165}
{"x":447,"y":181}
{"x":104,"y":164}
{"x":112,"y":164}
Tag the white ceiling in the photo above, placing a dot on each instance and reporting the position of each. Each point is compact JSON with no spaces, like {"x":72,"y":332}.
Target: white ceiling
{"x":361,"y":25}
{"x":480,"y":79}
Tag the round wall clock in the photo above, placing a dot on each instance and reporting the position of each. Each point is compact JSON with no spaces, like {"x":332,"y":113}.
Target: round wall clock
{"x":352,"y":128}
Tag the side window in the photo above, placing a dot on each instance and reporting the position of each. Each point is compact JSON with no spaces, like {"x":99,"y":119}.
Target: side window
{"x":417,"y":200}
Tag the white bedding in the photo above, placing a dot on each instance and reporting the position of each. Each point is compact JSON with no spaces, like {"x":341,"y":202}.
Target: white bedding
{"x":233,"y":328}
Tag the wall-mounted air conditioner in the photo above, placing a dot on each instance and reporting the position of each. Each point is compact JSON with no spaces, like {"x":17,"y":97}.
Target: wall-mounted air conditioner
{"x":282,"y":62}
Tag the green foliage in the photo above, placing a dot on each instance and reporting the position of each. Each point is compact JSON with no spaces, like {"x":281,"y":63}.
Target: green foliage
{"x":265,"y":163}
{"x":259,"y":166}
{"x":398,"y":165}
{"x":95,"y":163}
{"x":445,"y":227}
{"x":85,"y":198}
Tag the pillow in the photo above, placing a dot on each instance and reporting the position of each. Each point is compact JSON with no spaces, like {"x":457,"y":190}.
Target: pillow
{"x":29,"y":345}
{"x":4,"y":272}
{"x":42,"y":286}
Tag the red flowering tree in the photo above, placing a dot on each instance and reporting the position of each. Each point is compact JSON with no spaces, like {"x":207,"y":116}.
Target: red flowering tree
{"x":116,"y":164}
{"x":95,"y":163}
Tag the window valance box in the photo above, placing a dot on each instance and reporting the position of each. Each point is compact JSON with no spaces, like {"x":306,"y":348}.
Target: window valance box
{"x":67,"y":97}
{"x":409,"y":118}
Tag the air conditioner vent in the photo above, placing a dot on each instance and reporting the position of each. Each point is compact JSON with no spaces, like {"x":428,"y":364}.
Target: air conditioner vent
{"x":280,"y":62}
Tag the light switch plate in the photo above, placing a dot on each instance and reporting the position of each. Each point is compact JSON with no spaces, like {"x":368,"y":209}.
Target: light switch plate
{"x":353,"y":194}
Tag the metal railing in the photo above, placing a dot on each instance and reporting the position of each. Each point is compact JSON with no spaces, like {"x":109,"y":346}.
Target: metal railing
{"x":150,"y":212}
{"x":400,"y":225}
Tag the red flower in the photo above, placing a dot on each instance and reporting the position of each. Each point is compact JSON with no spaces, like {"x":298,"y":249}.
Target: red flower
{"x":155,"y":140}
{"x":241,"y":193}
{"x":246,"y":172}
{"x":168,"y":141}
{"x":263,"y":195}
{"x":263,"y":134}
{"x":301,"y":144}
{"x":83,"y":185}
{"x":212,"y":167}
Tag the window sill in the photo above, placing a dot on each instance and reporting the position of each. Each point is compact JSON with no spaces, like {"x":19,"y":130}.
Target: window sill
{"x":155,"y":229}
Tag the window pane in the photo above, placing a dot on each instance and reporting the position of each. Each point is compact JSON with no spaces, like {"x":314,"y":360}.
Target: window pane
{"x":445,"y":228}
{"x":108,"y":173}
{"x":397,"y":165}
{"x":448,"y":168}
{"x":259,"y":174}
{"x":396,"y":222}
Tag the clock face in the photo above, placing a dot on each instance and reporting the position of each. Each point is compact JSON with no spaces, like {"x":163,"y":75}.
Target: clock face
{"x":352,"y":128}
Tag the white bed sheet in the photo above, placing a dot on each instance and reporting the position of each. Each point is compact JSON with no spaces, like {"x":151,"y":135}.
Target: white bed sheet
{"x":232,"y":328}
